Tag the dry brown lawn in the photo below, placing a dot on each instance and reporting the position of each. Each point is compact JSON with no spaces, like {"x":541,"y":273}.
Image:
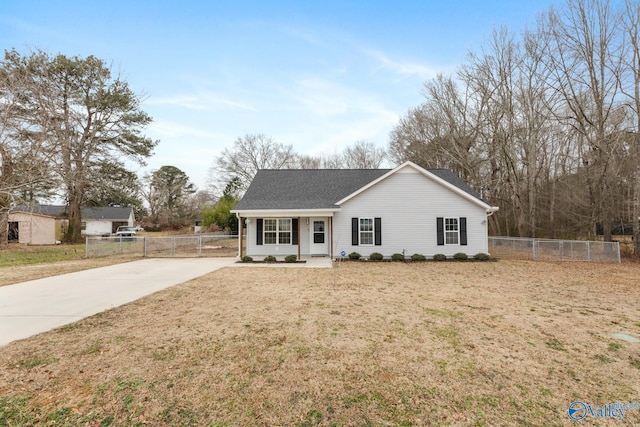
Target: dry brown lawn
{"x":498,"y":343}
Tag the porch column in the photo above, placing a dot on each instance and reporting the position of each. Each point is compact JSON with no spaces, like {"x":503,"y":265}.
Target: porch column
{"x":240,"y":230}
{"x":330,"y":237}
{"x":299,"y":238}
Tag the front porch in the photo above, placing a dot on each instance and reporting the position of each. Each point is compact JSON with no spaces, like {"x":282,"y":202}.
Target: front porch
{"x":281,"y":234}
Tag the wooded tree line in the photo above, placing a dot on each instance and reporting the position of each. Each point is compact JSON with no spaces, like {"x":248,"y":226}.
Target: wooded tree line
{"x":545,"y":123}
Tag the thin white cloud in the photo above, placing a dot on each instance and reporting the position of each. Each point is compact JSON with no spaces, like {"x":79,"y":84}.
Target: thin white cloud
{"x":167,"y":129}
{"x":334,"y":116}
{"x":405,"y":69}
{"x":200,"y":102}
{"x":321,"y":97}
{"x":326,"y":98}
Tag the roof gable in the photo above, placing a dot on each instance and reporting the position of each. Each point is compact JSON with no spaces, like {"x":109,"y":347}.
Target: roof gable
{"x":444,"y":177}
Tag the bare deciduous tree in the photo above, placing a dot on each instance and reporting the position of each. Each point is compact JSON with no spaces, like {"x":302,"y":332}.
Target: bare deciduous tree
{"x":248,"y":155}
{"x":586,"y":57}
{"x":364,"y":155}
{"x":631,"y":87}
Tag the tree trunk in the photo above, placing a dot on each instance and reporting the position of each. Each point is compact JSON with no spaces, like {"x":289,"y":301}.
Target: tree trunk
{"x":552,"y":208}
{"x":636,"y":200}
{"x":4,"y":226}
{"x":74,"y":229}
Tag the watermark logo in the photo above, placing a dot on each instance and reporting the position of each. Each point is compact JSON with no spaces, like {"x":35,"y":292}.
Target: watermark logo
{"x":579,"y":410}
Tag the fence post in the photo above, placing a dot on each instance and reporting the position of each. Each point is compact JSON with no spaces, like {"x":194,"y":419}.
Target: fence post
{"x":144,"y":245}
{"x":618,"y":248}
{"x":588,"y":251}
{"x":86,"y":247}
{"x":199,"y":245}
{"x":173,"y":246}
{"x":561,"y":250}
{"x":535,"y":253}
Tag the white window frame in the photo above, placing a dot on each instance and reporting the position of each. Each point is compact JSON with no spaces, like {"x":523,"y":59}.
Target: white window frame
{"x":371,"y":232}
{"x":451,"y":229}
{"x":278,"y":231}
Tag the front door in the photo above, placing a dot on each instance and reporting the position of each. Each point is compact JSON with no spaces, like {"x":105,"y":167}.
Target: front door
{"x":319,"y":236}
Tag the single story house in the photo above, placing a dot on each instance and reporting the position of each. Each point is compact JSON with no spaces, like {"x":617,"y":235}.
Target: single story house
{"x":46,"y":224}
{"x":322,"y":212}
{"x":105,"y":220}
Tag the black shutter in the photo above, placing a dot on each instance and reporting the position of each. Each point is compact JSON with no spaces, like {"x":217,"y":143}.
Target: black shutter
{"x":463,"y":231}
{"x":354,"y":231}
{"x":378,"y":231}
{"x":259,"y":231}
{"x":440,"y":230}
{"x":294,"y":231}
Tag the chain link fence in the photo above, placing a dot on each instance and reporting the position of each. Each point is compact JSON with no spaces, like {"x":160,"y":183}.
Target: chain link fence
{"x":554,"y":250}
{"x":199,"y":245}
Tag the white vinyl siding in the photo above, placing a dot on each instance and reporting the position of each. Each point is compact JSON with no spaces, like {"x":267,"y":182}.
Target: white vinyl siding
{"x":97,"y":227}
{"x":409,"y":204}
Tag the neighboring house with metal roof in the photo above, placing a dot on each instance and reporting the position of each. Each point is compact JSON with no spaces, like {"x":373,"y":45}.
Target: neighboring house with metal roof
{"x":322,"y":212}
{"x":46,"y":224}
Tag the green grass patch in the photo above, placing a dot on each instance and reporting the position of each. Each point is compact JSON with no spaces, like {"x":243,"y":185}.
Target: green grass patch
{"x":555,"y":344}
{"x":15,"y":256}
{"x":14,"y":411}
{"x":614,"y":346}
{"x":37,"y":360}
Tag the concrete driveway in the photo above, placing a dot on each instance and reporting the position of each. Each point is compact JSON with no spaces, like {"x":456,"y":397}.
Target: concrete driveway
{"x":36,"y":306}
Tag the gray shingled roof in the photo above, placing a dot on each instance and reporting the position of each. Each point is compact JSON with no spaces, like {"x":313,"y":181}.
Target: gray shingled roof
{"x":317,"y":188}
{"x":108,"y":212}
{"x":454,"y":179}
{"x":304,"y":188}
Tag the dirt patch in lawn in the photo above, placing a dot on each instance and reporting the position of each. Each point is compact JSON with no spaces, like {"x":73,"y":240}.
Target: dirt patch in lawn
{"x":507,"y":343}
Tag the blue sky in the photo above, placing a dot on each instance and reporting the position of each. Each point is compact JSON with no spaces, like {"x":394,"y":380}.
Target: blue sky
{"x":318,"y":75}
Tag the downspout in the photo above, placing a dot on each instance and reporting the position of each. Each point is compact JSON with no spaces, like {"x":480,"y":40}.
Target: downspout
{"x":490,"y":212}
